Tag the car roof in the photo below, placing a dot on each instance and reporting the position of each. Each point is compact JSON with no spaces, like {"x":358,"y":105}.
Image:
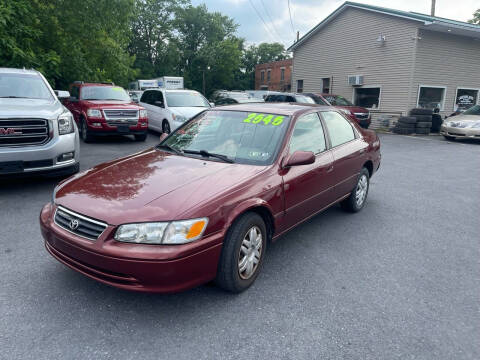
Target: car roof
{"x":18,"y":71}
{"x":170,"y":90}
{"x":95,"y":84}
{"x":275,"y":108}
{"x":287,"y":94}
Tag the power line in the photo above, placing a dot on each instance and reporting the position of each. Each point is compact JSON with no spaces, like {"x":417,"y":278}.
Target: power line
{"x":261,"y":18}
{"x":291,"y":21}
{"x":271,"y":21}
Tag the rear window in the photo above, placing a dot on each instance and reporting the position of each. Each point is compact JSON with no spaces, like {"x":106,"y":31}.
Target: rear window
{"x":337,"y":100}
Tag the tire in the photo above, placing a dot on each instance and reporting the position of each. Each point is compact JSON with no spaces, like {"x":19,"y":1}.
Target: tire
{"x":424,"y":125}
{"x":141,"y":137}
{"x":229,"y":275}
{"x":405,"y":126}
{"x":423,"y":118}
{"x":421,"y":112}
{"x":407,"y":120}
{"x":166,"y":127}
{"x":84,"y":133}
{"x":422,"y":131}
{"x":402,"y":131}
{"x":351,"y":204}
{"x":449,"y":138}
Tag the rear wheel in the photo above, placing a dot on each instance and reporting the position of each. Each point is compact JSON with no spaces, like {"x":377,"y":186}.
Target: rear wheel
{"x":84,"y":133}
{"x":356,"y":201}
{"x":165,"y":127}
{"x":242,"y":254}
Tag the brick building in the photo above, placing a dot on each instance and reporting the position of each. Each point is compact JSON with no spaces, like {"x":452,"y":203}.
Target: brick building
{"x":275,"y":76}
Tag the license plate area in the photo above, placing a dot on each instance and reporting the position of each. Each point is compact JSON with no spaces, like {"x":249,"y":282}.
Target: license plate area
{"x":11,"y":167}
{"x":123,"y":128}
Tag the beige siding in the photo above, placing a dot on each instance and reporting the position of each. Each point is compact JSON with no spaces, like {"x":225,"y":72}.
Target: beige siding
{"x":446,"y":60}
{"x":347,"y":46}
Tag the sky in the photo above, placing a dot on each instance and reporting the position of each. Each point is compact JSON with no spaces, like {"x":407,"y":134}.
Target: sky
{"x":307,"y":13}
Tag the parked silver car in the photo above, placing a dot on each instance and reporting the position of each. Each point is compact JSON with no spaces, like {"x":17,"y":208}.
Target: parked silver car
{"x":37,"y":133}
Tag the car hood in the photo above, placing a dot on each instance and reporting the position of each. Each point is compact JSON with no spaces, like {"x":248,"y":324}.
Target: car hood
{"x":38,"y":108}
{"x":188,"y":112}
{"x":463,"y":121}
{"x":112,"y":104}
{"x":149,"y":186}
{"x":354,"y":109}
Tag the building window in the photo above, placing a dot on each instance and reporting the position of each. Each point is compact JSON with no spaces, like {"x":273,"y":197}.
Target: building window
{"x":282,"y":74}
{"x":262,"y":76}
{"x":431,"y":97}
{"x":268,"y":75}
{"x":367,"y":97}
{"x":299,"y":86}
{"x":326,"y":85}
{"x":465,"y":98}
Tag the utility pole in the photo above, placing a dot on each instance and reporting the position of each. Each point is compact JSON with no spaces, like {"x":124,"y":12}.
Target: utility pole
{"x":432,"y":12}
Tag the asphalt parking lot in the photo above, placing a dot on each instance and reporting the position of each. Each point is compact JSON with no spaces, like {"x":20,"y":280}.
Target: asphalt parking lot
{"x":399,"y":280}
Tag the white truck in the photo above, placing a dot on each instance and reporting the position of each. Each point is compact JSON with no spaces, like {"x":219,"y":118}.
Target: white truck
{"x":170,"y":82}
{"x":143,"y":84}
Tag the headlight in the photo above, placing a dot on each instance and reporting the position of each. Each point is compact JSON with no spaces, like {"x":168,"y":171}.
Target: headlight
{"x":94,"y":113}
{"x":345,"y":111}
{"x":143,"y":113}
{"x":170,"y":233}
{"x":65,"y":123}
{"x":179,"y":118}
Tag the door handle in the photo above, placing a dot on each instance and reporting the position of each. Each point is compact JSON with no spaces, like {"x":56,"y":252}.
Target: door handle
{"x":330,"y":169}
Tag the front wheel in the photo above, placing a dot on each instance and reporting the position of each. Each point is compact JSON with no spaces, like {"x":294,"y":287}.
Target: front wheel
{"x":141,"y":137}
{"x":356,"y":201}
{"x":165,"y":127}
{"x":242,"y":254}
{"x":84,"y":133}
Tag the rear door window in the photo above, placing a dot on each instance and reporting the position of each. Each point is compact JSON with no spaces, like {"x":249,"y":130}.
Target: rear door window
{"x":339,"y":128}
{"x":308,"y":135}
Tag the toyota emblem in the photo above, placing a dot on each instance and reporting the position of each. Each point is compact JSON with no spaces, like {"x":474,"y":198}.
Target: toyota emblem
{"x":74,"y":224}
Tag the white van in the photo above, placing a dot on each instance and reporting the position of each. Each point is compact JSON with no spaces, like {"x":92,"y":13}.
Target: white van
{"x":168,"y":108}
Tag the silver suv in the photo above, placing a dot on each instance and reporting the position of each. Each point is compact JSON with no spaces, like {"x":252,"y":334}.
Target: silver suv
{"x":37,"y":133}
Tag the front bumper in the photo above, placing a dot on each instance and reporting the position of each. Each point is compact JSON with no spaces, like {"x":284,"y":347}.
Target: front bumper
{"x":104,"y":128}
{"x":147,"y":268}
{"x":471,"y":133}
{"x":43,"y":158}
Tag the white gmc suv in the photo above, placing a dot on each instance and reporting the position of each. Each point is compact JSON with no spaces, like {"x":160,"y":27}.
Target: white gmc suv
{"x":37,"y":133}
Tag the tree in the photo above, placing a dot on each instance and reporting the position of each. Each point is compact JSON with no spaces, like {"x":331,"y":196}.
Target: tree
{"x":476,"y":18}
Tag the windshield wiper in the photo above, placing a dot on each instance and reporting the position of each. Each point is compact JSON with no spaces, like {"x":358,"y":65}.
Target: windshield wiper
{"x":14,"y":97}
{"x":205,"y":153}
{"x":168,"y":147}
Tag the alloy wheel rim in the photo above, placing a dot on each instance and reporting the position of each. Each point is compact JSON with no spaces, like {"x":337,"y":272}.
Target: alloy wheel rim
{"x":250,"y":253}
{"x":361,"y":191}
{"x":166,"y":128}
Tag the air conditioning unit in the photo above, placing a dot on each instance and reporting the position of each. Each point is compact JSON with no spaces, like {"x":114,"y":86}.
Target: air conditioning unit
{"x":355,"y":80}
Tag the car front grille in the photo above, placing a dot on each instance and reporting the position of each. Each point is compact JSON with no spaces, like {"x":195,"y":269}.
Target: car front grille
{"x":21,"y":132}
{"x":361,"y":116}
{"x":120,"y":114}
{"x":78,"y":224}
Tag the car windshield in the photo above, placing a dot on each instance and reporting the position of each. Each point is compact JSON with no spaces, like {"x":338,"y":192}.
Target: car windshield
{"x":23,"y":86}
{"x":186,"y":99}
{"x":304,"y":99}
{"x":243,"y":137}
{"x":337,"y":100}
{"x":474,"y":110}
{"x":104,"y":93}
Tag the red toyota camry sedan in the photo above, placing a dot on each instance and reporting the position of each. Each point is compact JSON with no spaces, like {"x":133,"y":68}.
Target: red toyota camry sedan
{"x":205,"y":203}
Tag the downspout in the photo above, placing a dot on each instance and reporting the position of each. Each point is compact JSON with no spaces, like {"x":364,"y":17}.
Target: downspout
{"x":413,"y":60}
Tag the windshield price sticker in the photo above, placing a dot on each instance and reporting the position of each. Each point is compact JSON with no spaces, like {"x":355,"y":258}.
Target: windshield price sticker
{"x":255,"y":118}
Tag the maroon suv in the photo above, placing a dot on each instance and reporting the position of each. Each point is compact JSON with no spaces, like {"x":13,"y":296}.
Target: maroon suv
{"x":357,"y":113}
{"x":105,"y":109}
{"x":206,"y":202}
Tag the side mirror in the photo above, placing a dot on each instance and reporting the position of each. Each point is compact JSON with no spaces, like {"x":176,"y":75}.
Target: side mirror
{"x":62,"y":95}
{"x":163,"y":136}
{"x":212,"y":104}
{"x":300,"y":158}
{"x":158,"y":103}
